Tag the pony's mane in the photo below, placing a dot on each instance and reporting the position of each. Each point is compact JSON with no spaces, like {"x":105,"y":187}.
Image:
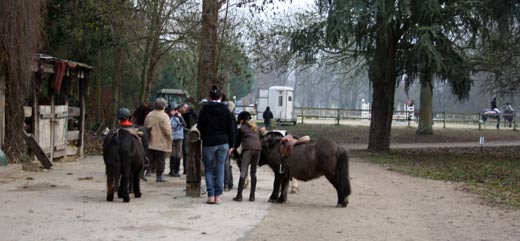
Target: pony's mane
{"x":272,"y":137}
{"x":273,"y":134}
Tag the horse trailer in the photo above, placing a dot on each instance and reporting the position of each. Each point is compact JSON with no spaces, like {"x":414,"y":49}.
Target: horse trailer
{"x":280,"y":99}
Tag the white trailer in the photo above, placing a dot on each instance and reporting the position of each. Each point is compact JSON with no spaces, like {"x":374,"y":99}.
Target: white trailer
{"x":280,"y":99}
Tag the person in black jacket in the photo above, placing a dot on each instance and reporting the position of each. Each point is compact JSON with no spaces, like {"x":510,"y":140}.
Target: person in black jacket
{"x":268,"y":116}
{"x":217,"y":133}
{"x":494,"y":104}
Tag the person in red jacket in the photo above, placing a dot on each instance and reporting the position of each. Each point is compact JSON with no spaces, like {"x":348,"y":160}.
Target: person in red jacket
{"x":123,"y":114}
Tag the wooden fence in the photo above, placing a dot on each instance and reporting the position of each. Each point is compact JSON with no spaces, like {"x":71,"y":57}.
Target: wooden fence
{"x":405,"y":117}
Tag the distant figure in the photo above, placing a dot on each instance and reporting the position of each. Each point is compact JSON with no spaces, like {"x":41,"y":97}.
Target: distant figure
{"x":268,"y":116}
{"x":509,"y":108}
{"x":509,"y":114}
{"x":494,"y":105}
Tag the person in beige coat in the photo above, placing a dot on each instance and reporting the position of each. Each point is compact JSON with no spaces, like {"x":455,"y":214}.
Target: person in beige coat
{"x":161,"y":137}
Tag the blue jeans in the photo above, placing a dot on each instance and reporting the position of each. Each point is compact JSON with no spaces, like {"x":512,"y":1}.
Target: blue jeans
{"x":214,"y":158}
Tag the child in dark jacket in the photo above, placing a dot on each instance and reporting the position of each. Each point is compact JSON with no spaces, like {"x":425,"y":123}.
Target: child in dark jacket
{"x":251,"y":148}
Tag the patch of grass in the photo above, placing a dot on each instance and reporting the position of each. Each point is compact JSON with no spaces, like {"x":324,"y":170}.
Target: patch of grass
{"x":493,"y":174}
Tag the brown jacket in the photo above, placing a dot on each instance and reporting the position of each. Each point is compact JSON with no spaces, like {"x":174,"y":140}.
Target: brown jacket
{"x":161,"y":136}
{"x":249,"y":139}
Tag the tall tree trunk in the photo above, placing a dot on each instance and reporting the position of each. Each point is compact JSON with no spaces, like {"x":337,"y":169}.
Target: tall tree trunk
{"x":425,"y":111}
{"x":20,"y":30}
{"x":98,"y":92}
{"x":208,"y":48}
{"x":383,"y":75}
{"x":151,"y":54}
{"x":116,"y":84}
{"x":152,"y":68}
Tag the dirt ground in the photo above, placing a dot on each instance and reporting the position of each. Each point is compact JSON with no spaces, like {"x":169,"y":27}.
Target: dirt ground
{"x":68,"y":203}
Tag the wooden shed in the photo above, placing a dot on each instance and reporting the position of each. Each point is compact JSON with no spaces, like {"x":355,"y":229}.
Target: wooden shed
{"x":55,"y":115}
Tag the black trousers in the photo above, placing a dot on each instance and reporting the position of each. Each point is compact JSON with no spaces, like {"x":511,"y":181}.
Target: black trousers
{"x":157,"y":160}
{"x":184,"y":152}
{"x":228,"y":174}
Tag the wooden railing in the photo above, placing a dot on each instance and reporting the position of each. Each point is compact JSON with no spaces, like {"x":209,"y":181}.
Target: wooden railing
{"x":336,"y":114}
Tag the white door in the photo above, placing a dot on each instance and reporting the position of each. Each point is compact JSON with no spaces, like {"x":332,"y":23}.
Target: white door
{"x":289,"y":106}
{"x":53,"y":130}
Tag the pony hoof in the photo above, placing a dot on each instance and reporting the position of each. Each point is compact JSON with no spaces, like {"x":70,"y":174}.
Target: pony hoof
{"x":138,"y":195}
{"x":281,"y":201}
{"x":110,"y":198}
{"x":271,"y":200}
{"x":341,"y":205}
{"x":126,"y":199}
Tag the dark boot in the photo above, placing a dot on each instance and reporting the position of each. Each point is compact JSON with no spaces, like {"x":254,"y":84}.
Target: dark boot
{"x":253,"y":189}
{"x":176,"y":166}
{"x":238,"y":198}
{"x":160,"y":178}
{"x":172,"y":164}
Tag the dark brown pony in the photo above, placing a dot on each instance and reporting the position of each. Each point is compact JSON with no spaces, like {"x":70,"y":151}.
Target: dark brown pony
{"x":140,"y":113}
{"x":124,"y":152}
{"x":307,"y":161}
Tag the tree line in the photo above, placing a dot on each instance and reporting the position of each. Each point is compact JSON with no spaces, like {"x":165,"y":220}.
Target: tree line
{"x":140,"y":46}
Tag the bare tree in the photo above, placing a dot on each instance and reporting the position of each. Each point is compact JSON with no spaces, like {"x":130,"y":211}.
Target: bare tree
{"x":19,"y":37}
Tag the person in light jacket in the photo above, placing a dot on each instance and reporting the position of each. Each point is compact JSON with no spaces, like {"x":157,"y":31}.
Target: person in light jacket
{"x":161,"y":137}
{"x":178,"y":125}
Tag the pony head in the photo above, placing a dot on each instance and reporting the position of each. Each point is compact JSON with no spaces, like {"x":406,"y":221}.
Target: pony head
{"x":269,"y":141}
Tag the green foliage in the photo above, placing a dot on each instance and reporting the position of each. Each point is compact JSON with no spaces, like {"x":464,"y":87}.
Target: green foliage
{"x":428,"y":33}
{"x":235,"y":69}
{"x":76,"y":29}
{"x":178,"y":71}
{"x":499,"y":50}
{"x":493,"y":173}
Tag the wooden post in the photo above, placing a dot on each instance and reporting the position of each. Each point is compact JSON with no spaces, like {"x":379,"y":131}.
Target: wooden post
{"x":36,"y":115}
{"x":193,"y":164}
{"x":302,"y":115}
{"x":337,"y":117}
{"x":37,"y":150}
{"x":82,"y":111}
{"x":52,"y":123}
{"x":444,"y":120}
{"x":2,"y":105}
{"x":514,"y":122}
{"x":479,"y":121}
{"x":408,"y":117}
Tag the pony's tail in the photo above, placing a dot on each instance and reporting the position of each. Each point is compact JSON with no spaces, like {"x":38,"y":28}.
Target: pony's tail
{"x":113,"y":169}
{"x":112,"y":159}
{"x":342,"y":172}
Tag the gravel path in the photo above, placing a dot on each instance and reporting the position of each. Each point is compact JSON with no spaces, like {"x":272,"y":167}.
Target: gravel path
{"x":386,"y":205}
{"x":67,"y":203}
